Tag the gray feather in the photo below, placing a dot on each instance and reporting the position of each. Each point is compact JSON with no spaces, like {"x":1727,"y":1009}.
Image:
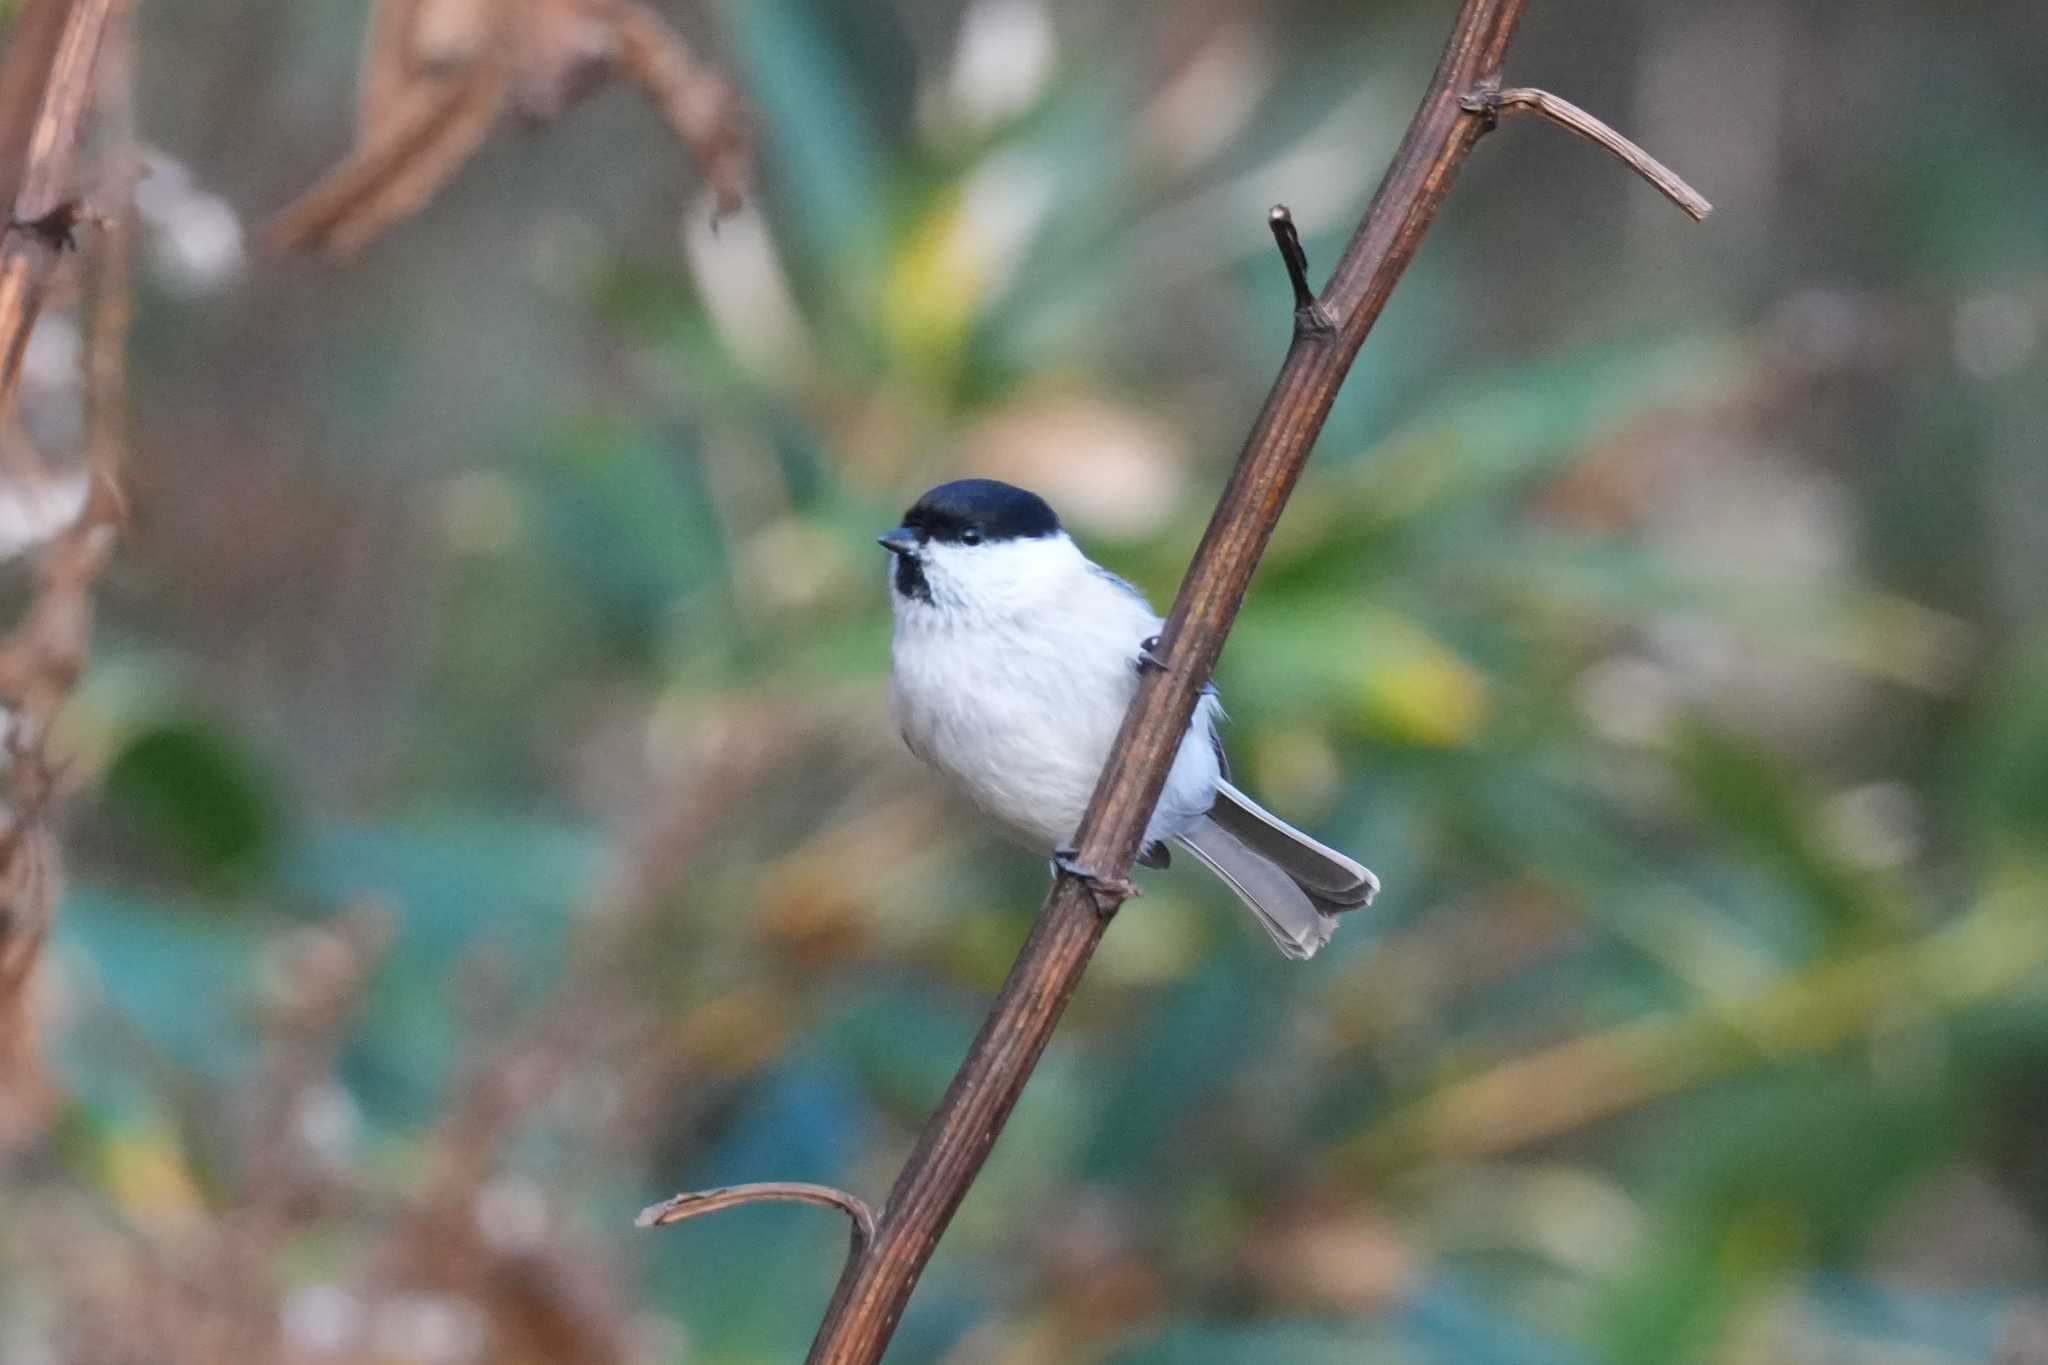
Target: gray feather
{"x":1119,"y":580}
{"x":1334,"y":882}
{"x":1284,"y":910}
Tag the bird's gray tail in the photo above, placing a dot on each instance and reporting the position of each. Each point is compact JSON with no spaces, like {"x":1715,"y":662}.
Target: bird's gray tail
{"x":1296,"y":886}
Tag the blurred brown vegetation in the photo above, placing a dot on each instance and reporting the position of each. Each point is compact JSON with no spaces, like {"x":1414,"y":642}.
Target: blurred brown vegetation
{"x":479,"y":814}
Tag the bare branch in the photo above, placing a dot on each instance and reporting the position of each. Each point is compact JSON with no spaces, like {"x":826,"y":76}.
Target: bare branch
{"x":685,"y":1206}
{"x":41,"y":658}
{"x":1565,"y":114}
{"x":34,"y":28}
{"x":28,"y":257}
{"x":877,"y":1284}
{"x":113,"y":266}
{"x":1462,"y":103}
{"x":702,"y":108}
{"x":324,"y":976}
{"x":436,"y":79}
{"x":406,"y":157}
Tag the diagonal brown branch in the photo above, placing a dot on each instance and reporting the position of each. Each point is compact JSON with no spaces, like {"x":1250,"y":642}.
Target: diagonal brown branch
{"x":875,"y":1286}
{"x":34,"y":28}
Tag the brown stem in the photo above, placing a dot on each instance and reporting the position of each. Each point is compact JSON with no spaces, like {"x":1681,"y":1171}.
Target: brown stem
{"x":876,"y":1285}
{"x":34,"y":28}
{"x":30,"y":251}
{"x":1565,"y":114}
{"x":701,"y":106}
{"x":113,"y":306}
{"x":41,"y":657}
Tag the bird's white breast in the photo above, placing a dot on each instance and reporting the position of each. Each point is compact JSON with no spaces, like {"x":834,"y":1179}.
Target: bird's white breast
{"x":1014,"y":680}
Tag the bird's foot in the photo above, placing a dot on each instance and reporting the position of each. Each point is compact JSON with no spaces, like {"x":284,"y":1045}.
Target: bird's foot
{"x":1148,"y":656}
{"x":1107,"y":892}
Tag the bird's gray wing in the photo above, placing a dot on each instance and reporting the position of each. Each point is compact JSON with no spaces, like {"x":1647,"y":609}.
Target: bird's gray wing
{"x":1285,"y":911}
{"x":1208,"y":688}
{"x":1216,"y":739}
{"x":1336,"y":883}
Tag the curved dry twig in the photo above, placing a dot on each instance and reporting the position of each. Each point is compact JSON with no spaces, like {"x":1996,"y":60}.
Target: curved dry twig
{"x":433,"y":87}
{"x":1565,"y":114}
{"x":699,"y":1202}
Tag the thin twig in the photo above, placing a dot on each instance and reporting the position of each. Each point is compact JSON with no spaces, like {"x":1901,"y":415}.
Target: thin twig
{"x":1565,"y":114}
{"x":34,"y":28}
{"x":701,"y":106}
{"x":113,"y":266}
{"x":684,"y":1206}
{"x":1307,"y":312}
{"x":325,"y":975}
{"x":404,"y":161}
{"x":40,"y":659}
{"x":28,"y":256}
{"x":429,"y":100}
{"x":876,"y":1285}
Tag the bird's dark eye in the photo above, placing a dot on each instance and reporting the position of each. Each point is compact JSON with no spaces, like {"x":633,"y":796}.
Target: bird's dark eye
{"x":971,"y":536}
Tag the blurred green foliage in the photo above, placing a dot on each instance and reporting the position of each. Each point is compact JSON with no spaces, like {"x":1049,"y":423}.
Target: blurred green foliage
{"x":1662,"y":617}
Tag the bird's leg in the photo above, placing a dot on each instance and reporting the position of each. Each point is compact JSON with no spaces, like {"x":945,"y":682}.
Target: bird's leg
{"x":1148,"y":656}
{"x":1107,"y":892}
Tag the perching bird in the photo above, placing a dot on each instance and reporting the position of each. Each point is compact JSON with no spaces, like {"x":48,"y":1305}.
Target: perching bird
{"x":1014,"y":660}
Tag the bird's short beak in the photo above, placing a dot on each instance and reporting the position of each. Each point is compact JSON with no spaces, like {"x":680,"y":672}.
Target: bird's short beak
{"x":901,"y":541}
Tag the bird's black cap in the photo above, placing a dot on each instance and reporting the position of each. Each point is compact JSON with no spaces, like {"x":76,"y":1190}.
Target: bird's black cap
{"x":968,"y":511}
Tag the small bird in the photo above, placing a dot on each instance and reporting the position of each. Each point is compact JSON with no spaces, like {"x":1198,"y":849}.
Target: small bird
{"x":1013,"y":662}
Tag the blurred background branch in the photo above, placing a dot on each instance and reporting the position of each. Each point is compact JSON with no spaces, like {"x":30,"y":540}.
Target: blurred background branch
{"x":438,"y":75}
{"x":42,"y":657}
{"x":42,"y":217}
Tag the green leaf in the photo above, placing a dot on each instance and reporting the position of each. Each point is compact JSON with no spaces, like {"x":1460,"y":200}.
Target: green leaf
{"x":460,"y":882}
{"x":1766,"y":1179}
{"x":2008,"y":762}
{"x":192,"y":795}
{"x":823,"y":152}
{"x":1750,"y":793}
{"x":177,"y":971}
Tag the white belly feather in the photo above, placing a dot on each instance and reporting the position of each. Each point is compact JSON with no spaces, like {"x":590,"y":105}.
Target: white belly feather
{"x":1019,"y":707}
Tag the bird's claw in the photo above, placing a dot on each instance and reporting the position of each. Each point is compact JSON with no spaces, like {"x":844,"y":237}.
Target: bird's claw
{"x":1107,"y":892}
{"x":1148,"y":656}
